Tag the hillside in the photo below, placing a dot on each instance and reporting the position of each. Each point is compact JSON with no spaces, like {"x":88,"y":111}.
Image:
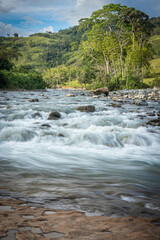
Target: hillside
{"x":44,"y":50}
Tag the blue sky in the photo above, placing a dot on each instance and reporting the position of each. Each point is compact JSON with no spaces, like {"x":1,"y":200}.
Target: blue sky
{"x":31,"y":16}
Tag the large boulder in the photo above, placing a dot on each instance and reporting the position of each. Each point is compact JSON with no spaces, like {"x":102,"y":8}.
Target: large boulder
{"x":88,"y":108}
{"x":100,"y":91}
{"x":54,"y":116}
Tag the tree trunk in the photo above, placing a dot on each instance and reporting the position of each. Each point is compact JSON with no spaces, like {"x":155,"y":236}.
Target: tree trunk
{"x":106,"y":60}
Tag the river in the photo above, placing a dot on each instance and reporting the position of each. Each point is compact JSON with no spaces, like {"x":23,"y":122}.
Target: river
{"x":105,"y":162}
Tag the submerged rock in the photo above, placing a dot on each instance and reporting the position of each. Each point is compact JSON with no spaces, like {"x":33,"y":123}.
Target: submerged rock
{"x":46,"y":125}
{"x":154,"y":122}
{"x":37,"y":114}
{"x":60,"y":135}
{"x":88,"y":108}
{"x":115,"y":105}
{"x":34,"y":100}
{"x":54,"y":116}
{"x":100,"y":91}
{"x":140,"y":103}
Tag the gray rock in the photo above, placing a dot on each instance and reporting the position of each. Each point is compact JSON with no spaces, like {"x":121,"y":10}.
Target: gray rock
{"x":88,"y":108}
{"x":37,"y":114}
{"x":45,"y":125}
{"x":140,"y":103}
{"x":154,"y":122}
{"x":54,"y":116}
{"x":60,"y":135}
{"x":100,"y":91}
{"x":115,"y":105}
{"x":156,"y":88}
{"x":34,"y":100}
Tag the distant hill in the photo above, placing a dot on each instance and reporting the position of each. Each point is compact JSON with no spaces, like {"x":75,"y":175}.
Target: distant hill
{"x":44,"y":50}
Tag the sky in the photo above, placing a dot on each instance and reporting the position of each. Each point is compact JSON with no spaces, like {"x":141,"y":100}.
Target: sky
{"x":27,"y":17}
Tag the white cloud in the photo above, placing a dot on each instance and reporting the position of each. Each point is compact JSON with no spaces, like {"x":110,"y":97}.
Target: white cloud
{"x":83,"y":9}
{"x":30,"y":20}
{"x":7,"y":5}
{"x":47,"y":29}
{"x":5,"y":29}
{"x":8,"y":30}
{"x":80,"y":3}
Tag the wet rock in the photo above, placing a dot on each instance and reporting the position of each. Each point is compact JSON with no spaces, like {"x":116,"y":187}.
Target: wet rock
{"x":140,"y":103}
{"x":151,"y":114}
{"x":95,"y":96}
{"x":37,"y":114}
{"x":154,"y":122}
{"x":115,"y":105}
{"x":156,"y":88}
{"x":34,"y":100}
{"x":89,"y":108}
{"x":54,"y":116}
{"x":100,"y":91}
{"x":70,"y":95}
{"x":46,"y":125}
{"x":60,"y":135}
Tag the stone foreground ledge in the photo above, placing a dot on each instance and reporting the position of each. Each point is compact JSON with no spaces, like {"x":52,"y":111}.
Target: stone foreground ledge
{"x":20,"y":220}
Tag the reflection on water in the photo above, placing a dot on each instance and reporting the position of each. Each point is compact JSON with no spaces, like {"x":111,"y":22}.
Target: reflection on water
{"x":105,"y":162}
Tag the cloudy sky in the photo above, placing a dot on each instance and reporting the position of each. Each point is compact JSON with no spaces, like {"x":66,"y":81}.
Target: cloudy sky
{"x":26,"y":17}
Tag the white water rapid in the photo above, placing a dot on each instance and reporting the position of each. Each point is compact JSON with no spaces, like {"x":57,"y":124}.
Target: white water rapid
{"x":105,"y":162}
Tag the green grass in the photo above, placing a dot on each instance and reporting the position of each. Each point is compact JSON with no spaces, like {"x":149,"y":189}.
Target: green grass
{"x":155,"y":72}
{"x":155,"y":41}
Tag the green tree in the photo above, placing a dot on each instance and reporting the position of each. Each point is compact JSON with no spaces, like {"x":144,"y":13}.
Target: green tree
{"x":6,"y":57}
{"x":117,"y":43}
{"x":15,"y":35}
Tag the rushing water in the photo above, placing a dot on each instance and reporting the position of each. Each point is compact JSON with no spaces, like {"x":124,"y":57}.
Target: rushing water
{"x":104,"y":163}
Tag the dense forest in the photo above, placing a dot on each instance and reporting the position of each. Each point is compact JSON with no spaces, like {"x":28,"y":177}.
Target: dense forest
{"x":117,"y":47}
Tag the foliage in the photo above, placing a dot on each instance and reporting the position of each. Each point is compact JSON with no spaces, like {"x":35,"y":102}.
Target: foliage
{"x":6,"y":56}
{"x":24,"y":77}
{"x":21,"y":80}
{"x":156,"y":22}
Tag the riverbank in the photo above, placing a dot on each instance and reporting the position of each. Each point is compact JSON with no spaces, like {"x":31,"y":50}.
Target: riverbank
{"x":22,"y":220}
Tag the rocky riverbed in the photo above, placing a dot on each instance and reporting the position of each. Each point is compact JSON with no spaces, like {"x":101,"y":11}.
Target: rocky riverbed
{"x":138,"y":94}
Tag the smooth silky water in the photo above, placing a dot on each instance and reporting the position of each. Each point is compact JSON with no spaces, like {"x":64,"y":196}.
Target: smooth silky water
{"x":103,"y":163}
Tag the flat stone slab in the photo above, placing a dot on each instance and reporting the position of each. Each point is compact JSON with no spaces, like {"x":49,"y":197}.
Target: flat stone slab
{"x":71,"y":225}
